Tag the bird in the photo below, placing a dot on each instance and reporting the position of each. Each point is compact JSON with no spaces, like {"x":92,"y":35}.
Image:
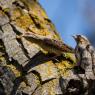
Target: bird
{"x":85,"y":55}
{"x":54,"y":46}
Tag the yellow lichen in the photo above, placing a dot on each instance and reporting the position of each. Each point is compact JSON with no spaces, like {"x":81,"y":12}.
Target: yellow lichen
{"x":64,"y":67}
{"x":14,"y":69}
{"x":42,"y":26}
{"x":35,"y":8}
{"x":2,"y":58}
{"x":70,"y":56}
{"x":24,"y":21}
{"x":2,"y":13}
{"x":15,"y":13}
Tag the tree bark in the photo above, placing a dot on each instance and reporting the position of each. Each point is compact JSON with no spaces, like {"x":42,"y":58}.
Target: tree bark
{"x":25,"y":67}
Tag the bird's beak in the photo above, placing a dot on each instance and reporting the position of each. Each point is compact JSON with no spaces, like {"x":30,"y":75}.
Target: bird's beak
{"x":74,"y":36}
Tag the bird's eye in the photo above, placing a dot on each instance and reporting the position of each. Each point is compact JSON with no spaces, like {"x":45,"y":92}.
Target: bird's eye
{"x":81,"y":40}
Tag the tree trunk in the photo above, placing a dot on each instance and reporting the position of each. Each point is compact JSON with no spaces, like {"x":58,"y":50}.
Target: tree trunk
{"x":25,"y":67}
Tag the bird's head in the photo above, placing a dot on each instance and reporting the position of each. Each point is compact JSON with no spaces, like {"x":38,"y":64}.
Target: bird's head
{"x":80,"y":39}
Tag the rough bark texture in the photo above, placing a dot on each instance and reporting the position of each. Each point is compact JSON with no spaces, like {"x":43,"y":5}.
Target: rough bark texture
{"x":26,"y":68}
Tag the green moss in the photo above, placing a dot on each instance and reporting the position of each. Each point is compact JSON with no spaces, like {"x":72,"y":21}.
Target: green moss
{"x":71,"y":57}
{"x":24,"y":21}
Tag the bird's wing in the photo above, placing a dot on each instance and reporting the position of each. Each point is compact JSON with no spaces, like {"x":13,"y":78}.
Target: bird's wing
{"x":78,"y":55}
{"x":93,"y":61}
{"x":92,"y":51}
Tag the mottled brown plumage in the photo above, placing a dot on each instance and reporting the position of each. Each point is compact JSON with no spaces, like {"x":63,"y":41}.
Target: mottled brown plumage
{"x":85,"y":55}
